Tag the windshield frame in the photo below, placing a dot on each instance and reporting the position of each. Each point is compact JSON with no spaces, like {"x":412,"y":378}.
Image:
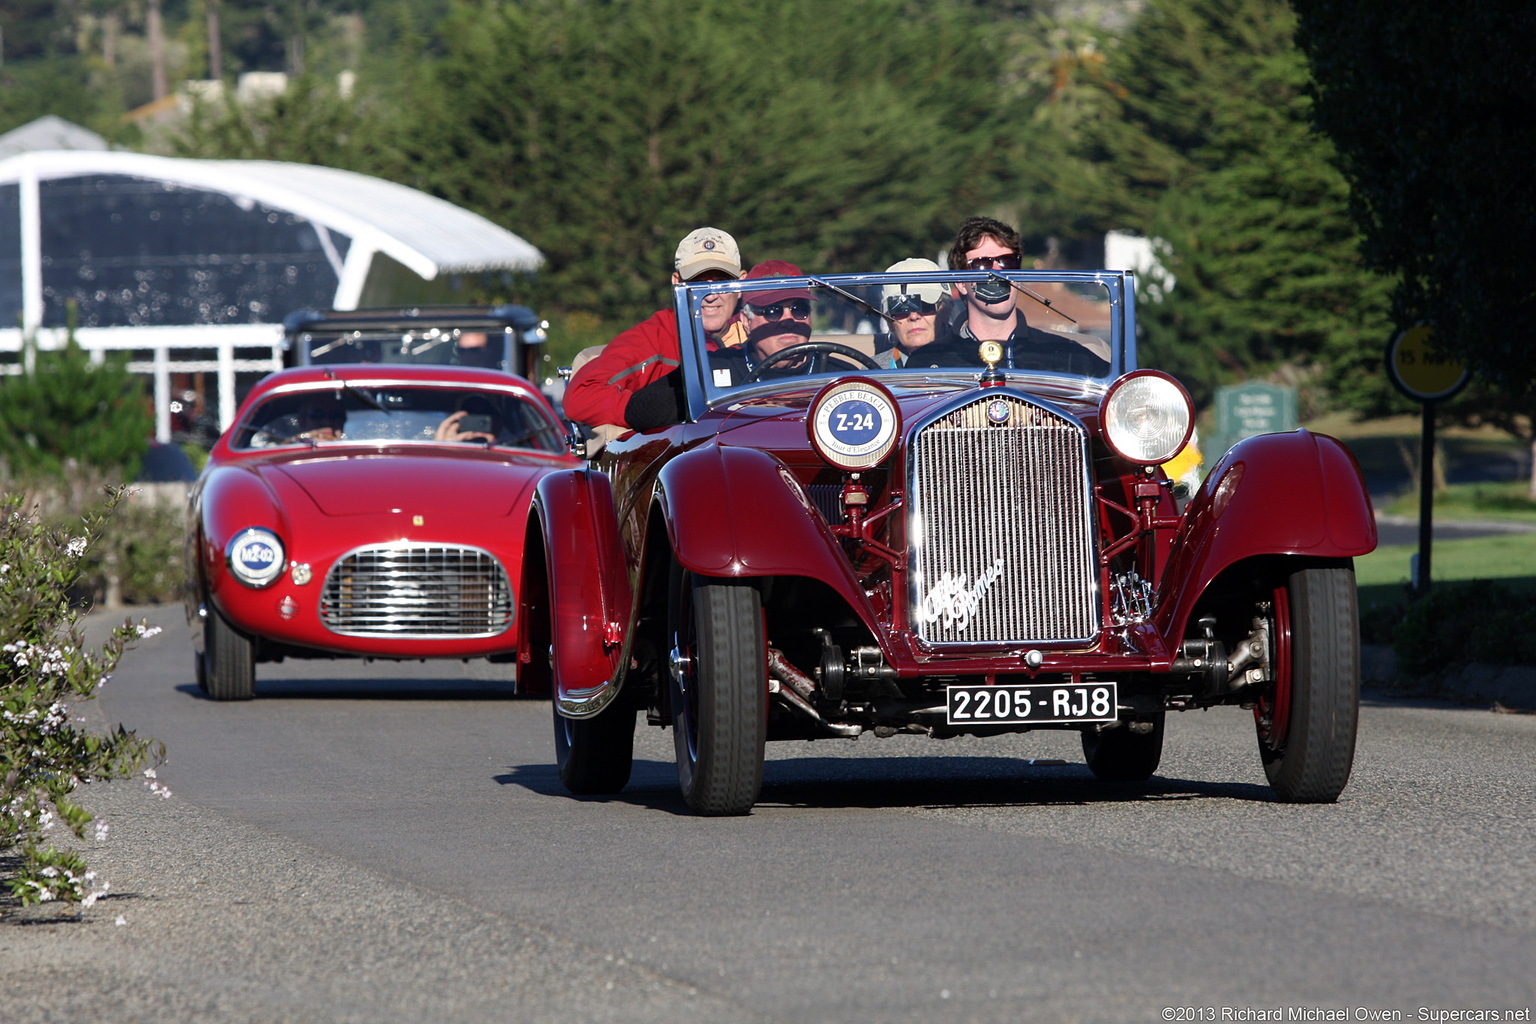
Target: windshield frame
{"x":246,"y":427}
{"x":702,"y":395}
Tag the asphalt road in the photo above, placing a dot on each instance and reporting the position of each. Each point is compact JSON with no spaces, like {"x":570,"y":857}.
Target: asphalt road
{"x":385,"y":842}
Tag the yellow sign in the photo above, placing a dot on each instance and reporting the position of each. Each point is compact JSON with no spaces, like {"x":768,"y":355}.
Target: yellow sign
{"x":1418,"y":371}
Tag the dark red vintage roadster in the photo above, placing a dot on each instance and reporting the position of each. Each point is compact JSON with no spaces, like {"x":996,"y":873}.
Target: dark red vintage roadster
{"x":848,"y":536}
{"x":365,"y":511}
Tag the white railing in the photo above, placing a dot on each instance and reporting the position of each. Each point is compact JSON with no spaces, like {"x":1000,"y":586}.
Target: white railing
{"x":164,"y":343}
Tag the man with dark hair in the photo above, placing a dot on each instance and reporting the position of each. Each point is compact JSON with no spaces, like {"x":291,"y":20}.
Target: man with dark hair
{"x":631,"y":382}
{"x":989,"y":311}
{"x":969,"y":245}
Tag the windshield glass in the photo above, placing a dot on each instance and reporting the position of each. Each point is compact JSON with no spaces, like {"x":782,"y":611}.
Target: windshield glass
{"x":398,"y":414}
{"x":443,"y":346}
{"x":748,"y":334}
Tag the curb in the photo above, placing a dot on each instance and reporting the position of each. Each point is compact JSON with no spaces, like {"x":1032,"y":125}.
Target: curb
{"x":1512,"y":686}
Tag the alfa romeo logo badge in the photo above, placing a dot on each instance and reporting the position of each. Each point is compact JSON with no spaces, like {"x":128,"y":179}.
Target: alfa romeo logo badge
{"x":999,"y":411}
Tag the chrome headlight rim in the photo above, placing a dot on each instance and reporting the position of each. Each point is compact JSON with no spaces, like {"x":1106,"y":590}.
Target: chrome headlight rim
{"x":1130,"y":395}
{"x":848,"y":450}
{"x":248,"y":565}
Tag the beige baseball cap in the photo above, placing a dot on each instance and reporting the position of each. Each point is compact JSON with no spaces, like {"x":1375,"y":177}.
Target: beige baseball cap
{"x":927,"y":292}
{"x":707,"y":249}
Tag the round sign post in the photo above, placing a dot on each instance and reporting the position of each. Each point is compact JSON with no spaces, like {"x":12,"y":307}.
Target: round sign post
{"x":1424,"y":375}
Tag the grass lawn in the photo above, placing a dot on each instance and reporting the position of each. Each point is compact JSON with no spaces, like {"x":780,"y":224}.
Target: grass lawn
{"x":1509,"y":558}
{"x":1389,"y":449}
{"x":1493,"y":500}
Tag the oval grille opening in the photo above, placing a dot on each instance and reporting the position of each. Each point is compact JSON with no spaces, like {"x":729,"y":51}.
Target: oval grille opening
{"x":417,"y":591}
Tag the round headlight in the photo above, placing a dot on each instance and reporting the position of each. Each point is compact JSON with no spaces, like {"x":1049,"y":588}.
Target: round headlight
{"x":255,"y":557}
{"x":1147,"y":417}
{"x":854,"y":423}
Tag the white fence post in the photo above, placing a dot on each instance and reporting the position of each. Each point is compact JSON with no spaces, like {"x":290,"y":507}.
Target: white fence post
{"x":162,"y":395}
{"x":226,"y":385}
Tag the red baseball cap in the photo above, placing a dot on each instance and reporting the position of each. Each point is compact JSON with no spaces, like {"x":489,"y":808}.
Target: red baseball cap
{"x":774,"y":268}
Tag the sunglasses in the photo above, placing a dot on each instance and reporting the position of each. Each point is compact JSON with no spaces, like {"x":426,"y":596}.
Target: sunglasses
{"x":800,"y":309}
{"x":1008,"y":262}
{"x":899,"y":307}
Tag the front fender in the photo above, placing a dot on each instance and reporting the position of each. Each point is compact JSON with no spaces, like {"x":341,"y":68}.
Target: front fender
{"x":1297,"y":493}
{"x":230,"y":501}
{"x":739,"y":512}
{"x":589,"y":597}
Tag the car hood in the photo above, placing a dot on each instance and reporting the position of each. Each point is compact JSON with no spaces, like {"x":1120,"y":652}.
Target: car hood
{"x":424,"y":484}
{"x":782,"y":413}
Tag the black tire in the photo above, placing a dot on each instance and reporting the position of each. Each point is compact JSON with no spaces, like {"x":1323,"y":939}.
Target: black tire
{"x":229,"y":668}
{"x":1307,"y":722}
{"x":719,"y":693}
{"x":1120,"y":755}
{"x":200,"y":663}
{"x":595,"y":754}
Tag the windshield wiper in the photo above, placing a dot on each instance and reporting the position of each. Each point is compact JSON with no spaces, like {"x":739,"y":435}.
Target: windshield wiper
{"x":994,"y":275}
{"x":851,"y":297}
{"x":361,"y":396}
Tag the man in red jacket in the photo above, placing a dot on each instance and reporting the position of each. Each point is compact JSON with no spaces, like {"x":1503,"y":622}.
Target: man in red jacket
{"x":626,"y":384}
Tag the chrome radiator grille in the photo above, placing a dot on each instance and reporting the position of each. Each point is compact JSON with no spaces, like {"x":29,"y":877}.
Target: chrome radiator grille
{"x":417,"y":591}
{"x":1002,"y":539}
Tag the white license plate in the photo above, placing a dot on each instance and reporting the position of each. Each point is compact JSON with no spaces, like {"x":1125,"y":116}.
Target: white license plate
{"x":1009,"y":705}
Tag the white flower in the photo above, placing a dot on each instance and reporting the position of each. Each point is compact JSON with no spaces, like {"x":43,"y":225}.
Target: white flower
{"x":149,"y":773}
{"x":148,"y":631}
{"x":49,"y":872}
{"x":76,"y":547}
{"x":101,"y":831}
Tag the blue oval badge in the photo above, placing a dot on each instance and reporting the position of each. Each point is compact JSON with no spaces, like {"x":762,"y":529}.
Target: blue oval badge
{"x":856,"y":423}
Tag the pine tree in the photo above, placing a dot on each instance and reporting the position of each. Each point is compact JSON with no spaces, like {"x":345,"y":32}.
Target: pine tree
{"x":1214,"y":154}
{"x":67,"y":408}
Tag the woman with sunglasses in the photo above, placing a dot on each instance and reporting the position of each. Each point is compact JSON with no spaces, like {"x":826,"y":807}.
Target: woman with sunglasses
{"x":913,"y":311}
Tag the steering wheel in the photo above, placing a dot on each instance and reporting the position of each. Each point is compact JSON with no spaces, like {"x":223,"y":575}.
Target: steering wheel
{"x":806,"y":348}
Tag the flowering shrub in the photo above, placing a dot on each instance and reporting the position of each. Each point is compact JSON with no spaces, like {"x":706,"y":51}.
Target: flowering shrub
{"x":138,"y":557}
{"x":44,"y":673}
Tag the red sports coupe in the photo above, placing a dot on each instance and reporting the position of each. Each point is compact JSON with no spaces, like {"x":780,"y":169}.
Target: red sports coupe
{"x":366,"y":510}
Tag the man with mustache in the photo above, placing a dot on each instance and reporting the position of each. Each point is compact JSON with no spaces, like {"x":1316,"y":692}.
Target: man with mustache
{"x":774,"y":320}
{"x":632,"y":383}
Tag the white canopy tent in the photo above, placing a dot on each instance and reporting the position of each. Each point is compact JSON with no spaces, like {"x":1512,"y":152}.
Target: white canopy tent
{"x":147,"y":252}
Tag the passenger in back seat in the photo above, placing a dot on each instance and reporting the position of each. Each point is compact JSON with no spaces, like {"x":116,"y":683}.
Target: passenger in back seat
{"x":913,"y":311}
{"x":633,"y":382}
